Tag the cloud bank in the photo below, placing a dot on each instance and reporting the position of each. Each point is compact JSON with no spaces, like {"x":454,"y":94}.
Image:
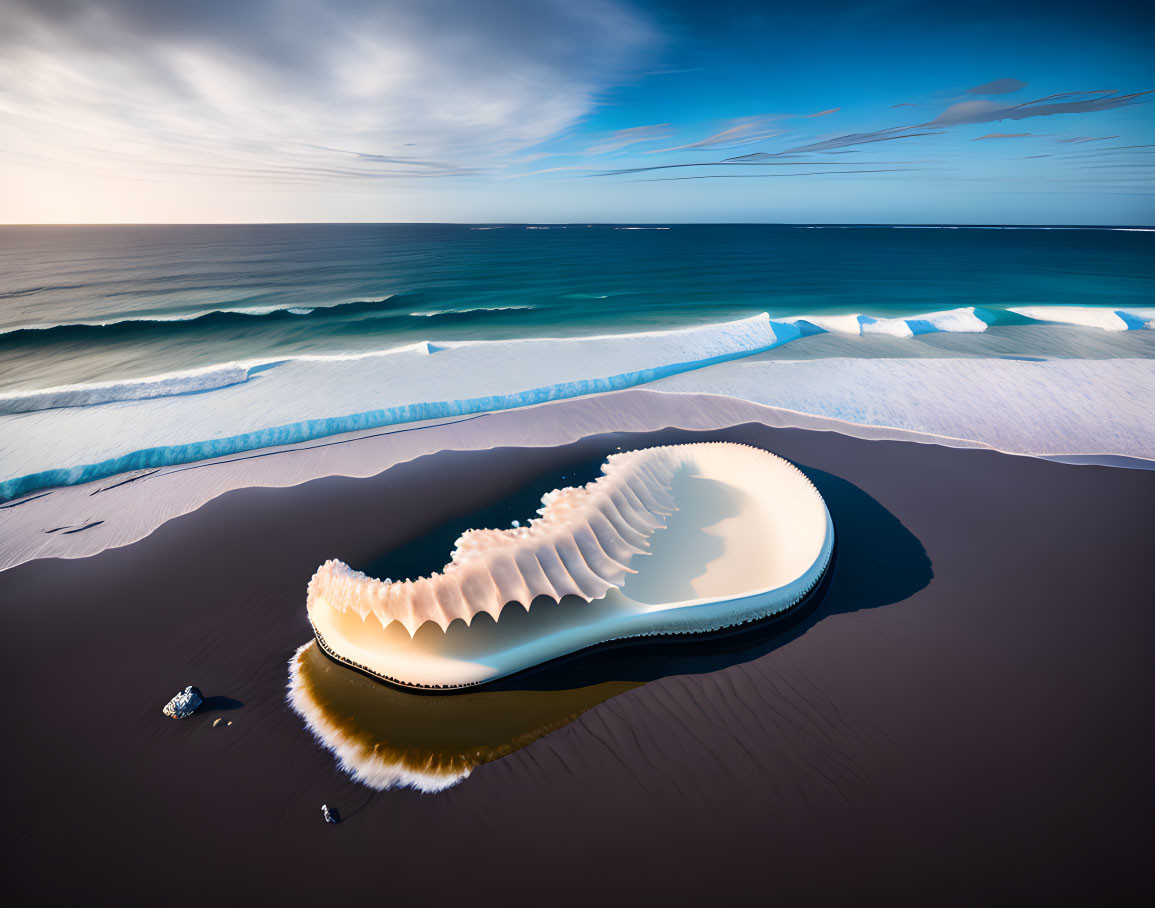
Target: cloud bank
{"x":306,"y":89}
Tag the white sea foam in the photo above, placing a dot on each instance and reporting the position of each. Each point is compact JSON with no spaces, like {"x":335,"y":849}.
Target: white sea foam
{"x":435,"y":312}
{"x":56,"y":437}
{"x":311,"y":397}
{"x":1091,"y":316}
{"x":175,"y":383}
{"x":1057,"y":406}
{"x":952,"y":320}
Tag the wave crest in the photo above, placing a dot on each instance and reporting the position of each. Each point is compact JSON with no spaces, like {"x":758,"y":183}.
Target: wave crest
{"x":131,"y":322}
{"x":310,"y":397}
{"x":192,"y":382}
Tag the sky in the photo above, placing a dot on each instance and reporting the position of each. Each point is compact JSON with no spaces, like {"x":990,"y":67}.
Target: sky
{"x":564,"y":111}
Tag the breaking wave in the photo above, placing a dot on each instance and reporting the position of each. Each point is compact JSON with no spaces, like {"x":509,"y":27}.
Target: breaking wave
{"x":86,"y":432}
{"x":130,"y":327}
{"x":437,"y":313}
{"x":781,"y":331}
{"x":969,"y":319}
{"x":129,"y":323}
{"x":191,"y":382}
{"x":973,"y":319}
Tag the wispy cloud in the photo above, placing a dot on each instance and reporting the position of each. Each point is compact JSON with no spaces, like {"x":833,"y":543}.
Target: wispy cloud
{"x":959,"y":114}
{"x":998,"y":87}
{"x":534,"y":173}
{"x":744,"y":131}
{"x":624,"y":138}
{"x":744,"y":162}
{"x":858,"y":138}
{"x":991,"y":111}
{"x":747,"y":176}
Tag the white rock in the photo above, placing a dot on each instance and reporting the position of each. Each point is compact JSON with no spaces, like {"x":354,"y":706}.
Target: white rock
{"x":184,"y":704}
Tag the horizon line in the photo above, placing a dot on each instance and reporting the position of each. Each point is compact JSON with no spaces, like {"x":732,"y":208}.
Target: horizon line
{"x":580,"y":223}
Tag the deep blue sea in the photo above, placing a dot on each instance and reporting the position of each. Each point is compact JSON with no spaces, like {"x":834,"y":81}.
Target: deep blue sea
{"x":100,"y":303}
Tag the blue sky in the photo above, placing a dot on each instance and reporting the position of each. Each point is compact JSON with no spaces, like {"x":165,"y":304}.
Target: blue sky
{"x":598,"y":110}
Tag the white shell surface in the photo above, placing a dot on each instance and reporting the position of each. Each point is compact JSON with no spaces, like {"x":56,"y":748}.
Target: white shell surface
{"x":669,"y":540}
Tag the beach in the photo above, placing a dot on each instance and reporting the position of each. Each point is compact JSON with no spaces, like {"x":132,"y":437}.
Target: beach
{"x":568,"y":454}
{"x":967,"y":711}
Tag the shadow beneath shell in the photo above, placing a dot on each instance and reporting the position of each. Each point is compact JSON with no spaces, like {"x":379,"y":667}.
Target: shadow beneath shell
{"x":385,"y":736}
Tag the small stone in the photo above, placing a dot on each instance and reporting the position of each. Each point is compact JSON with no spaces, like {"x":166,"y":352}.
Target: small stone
{"x":230,"y":722}
{"x":184,"y":704}
{"x":515,"y":523}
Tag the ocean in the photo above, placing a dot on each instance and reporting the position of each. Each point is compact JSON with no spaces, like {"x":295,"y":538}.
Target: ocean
{"x":85,"y":304}
{"x":126,"y":347}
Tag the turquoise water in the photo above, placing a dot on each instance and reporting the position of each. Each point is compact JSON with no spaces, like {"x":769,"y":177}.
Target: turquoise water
{"x":112,"y":302}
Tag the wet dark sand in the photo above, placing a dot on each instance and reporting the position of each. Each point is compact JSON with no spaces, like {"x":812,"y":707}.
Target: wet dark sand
{"x":966,"y":718}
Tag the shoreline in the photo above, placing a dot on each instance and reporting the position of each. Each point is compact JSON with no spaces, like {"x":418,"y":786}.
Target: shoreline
{"x":108,"y":513}
{"x":76,"y":434}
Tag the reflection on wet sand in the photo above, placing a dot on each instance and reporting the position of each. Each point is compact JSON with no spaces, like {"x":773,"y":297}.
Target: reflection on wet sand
{"x":386,"y":737}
